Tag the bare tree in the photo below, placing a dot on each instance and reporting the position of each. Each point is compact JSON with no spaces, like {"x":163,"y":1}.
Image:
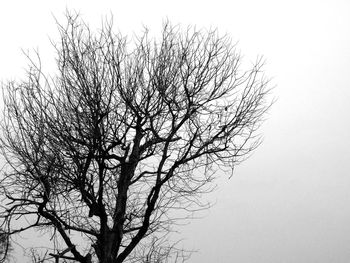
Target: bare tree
{"x":107,"y":148}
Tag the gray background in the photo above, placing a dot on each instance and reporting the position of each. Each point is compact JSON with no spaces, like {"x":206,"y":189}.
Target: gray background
{"x":289,"y":202}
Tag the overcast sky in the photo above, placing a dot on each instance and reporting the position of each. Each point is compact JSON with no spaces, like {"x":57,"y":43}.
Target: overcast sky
{"x":290,"y":202}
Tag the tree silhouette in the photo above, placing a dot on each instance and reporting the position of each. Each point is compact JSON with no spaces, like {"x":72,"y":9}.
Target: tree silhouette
{"x":124,"y":134}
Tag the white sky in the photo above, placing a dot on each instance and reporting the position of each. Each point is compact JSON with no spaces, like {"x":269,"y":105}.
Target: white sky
{"x":290,"y":202}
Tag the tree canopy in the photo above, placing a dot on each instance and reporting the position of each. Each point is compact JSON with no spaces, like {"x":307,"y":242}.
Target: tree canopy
{"x":122,"y":134}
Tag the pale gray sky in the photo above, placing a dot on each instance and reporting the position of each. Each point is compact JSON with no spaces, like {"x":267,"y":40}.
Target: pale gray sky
{"x":290,"y":202}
